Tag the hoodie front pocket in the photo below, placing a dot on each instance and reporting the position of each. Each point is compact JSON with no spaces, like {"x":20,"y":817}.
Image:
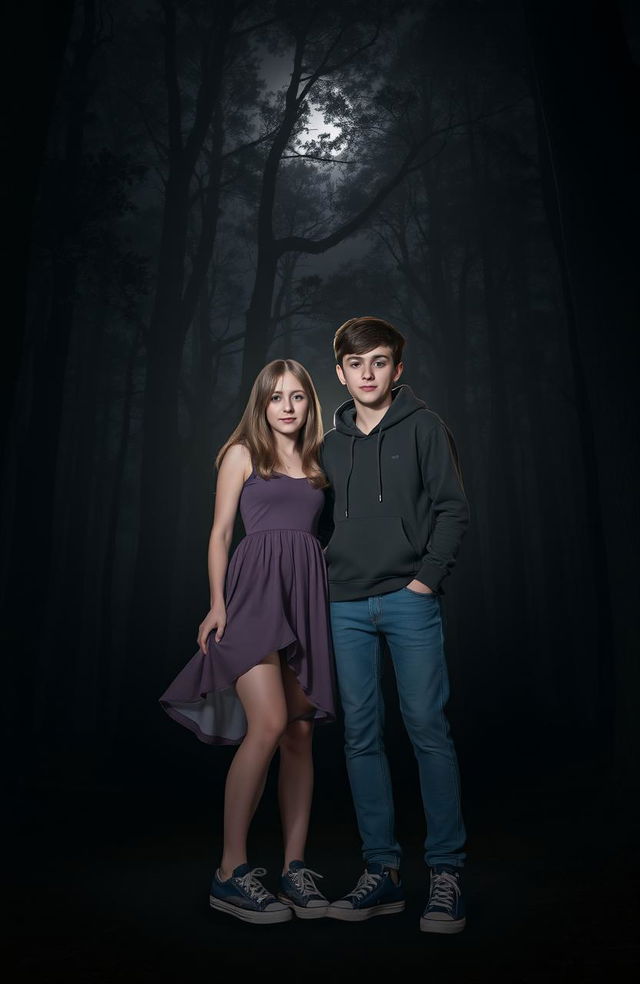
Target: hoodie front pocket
{"x":370,"y":548}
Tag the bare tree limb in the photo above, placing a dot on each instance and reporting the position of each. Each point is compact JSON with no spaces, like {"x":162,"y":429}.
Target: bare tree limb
{"x":174,"y":123}
{"x":312,"y":157}
{"x":254,"y":27}
{"x":302,"y":245}
{"x":247,"y":146}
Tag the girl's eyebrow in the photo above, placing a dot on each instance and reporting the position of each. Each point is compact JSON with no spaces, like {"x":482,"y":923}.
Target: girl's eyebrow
{"x":293,"y":392}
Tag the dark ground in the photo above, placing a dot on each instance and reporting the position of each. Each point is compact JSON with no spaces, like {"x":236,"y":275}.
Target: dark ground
{"x":108,"y":881}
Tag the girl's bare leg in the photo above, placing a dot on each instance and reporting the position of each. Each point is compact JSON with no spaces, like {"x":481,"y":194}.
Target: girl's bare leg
{"x":295,"y":777}
{"x":261,"y":692}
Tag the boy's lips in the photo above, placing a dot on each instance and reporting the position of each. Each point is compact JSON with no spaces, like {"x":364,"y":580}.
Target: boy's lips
{"x":368,"y":387}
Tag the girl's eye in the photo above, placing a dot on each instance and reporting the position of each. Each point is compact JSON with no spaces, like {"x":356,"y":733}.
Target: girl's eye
{"x":274,"y":397}
{"x":299,"y":396}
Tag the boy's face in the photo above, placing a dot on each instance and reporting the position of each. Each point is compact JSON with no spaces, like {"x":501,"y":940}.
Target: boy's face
{"x":369,"y":377}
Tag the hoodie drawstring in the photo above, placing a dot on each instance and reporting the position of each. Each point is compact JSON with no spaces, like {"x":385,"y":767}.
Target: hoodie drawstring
{"x":346,"y":491}
{"x":404,"y":403}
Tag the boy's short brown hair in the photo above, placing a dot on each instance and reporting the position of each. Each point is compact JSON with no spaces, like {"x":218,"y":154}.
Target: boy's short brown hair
{"x":359,"y":335}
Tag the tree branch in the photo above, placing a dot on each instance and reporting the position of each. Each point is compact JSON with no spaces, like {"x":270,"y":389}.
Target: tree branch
{"x":210,"y":84}
{"x":319,"y":72}
{"x":252,"y":143}
{"x":312,"y":157}
{"x":302,"y":306}
{"x":174,"y":123}
{"x":324,"y":69}
{"x":253,"y":27}
{"x":302,"y":245}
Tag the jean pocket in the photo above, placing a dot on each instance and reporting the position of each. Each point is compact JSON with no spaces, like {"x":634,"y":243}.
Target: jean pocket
{"x":420,"y":594}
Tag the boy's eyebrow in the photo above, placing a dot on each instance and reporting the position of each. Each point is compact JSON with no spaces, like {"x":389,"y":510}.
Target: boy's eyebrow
{"x":376,"y":355}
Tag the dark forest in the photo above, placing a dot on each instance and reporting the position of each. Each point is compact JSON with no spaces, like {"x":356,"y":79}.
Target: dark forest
{"x":196,"y":187}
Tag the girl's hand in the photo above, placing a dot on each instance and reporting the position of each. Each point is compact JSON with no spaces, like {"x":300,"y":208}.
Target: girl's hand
{"x":216,"y":618}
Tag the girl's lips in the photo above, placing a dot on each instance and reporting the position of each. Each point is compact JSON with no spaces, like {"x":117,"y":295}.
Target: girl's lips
{"x":287,"y":420}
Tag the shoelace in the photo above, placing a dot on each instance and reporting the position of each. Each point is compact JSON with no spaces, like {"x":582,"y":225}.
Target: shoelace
{"x":303,"y":880}
{"x":254,"y":887}
{"x":366,"y":883}
{"x":445,"y":890}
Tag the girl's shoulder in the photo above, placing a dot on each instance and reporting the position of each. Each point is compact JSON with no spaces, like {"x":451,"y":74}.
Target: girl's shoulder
{"x":239,"y":452}
{"x":237,"y":456}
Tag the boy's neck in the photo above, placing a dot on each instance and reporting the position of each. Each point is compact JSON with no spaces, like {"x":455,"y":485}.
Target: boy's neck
{"x":369,"y":417}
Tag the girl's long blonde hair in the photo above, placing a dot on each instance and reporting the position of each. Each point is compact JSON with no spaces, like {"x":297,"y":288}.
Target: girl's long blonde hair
{"x":256,"y":435}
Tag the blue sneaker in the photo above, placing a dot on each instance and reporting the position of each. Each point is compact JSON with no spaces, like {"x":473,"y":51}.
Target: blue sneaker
{"x":245,"y":897}
{"x":299,"y":891}
{"x":376,"y":894}
{"x":444,"y":912}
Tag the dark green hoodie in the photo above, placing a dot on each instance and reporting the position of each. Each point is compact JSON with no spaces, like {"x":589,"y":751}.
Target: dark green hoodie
{"x":396,"y":509}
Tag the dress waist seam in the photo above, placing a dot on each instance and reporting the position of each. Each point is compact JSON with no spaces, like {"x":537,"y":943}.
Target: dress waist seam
{"x":282,"y":529}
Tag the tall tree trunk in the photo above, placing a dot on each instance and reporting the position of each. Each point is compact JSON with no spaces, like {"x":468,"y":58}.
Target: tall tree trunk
{"x":258,"y":329}
{"x":70,"y":606}
{"x":506,"y":592}
{"x":199,"y":481}
{"x":259,"y":318}
{"x":583,"y":71}
{"x":174,"y":307}
{"x":47,"y":26}
{"x":440,"y":307}
{"x":37,"y":449}
{"x":110,"y":662}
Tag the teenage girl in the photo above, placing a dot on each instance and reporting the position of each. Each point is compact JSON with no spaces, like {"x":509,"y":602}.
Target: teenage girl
{"x":263,"y":673}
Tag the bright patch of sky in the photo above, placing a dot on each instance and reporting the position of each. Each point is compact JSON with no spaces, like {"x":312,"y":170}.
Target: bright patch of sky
{"x":276,"y":71}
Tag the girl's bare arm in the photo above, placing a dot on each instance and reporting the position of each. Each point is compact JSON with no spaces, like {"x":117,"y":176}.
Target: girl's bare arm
{"x":235,"y":468}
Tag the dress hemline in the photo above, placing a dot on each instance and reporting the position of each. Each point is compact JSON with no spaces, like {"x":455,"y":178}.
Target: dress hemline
{"x":325,"y":715}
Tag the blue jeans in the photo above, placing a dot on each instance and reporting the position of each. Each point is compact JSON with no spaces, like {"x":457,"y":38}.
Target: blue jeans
{"x":412,"y":625}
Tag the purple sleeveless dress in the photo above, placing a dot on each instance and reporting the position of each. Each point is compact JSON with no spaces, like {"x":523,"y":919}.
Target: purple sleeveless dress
{"x":276,"y":596}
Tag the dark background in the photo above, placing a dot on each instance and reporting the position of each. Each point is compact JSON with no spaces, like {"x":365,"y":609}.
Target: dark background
{"x":195,"y":188}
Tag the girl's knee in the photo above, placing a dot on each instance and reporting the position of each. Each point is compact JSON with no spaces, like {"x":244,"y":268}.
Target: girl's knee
{"x":297,"y":736}
{"x":269,"y":731}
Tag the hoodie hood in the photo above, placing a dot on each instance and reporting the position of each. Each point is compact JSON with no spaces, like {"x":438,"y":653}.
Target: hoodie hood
{"x":404,"y":403}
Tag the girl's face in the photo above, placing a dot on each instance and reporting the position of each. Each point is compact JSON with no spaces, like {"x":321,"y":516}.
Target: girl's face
{"x":288,"y":406}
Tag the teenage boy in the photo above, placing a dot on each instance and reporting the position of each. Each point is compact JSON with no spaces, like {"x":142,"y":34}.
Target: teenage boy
{"x":398,"y":512}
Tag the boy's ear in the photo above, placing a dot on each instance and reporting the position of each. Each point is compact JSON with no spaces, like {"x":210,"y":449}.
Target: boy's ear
{"x":340,"y":374}
{"x":398,"y":372}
